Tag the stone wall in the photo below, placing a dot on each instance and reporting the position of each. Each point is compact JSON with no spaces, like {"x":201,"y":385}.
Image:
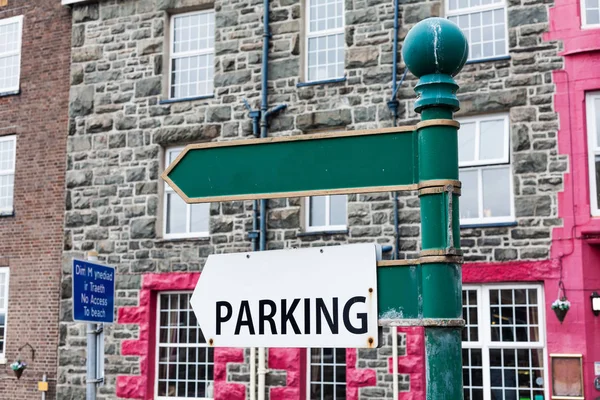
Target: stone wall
{"x":119,"y":129}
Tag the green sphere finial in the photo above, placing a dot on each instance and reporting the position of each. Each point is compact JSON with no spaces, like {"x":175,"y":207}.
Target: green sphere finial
{"x":435,"y":46}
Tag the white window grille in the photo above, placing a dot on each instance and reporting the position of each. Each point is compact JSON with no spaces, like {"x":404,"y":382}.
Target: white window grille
{"x":484,"y":24}
{"x":185,"y":364}
{"x":503,"y":342}
{"x":324,"y":39}
{"x":7,"y":173}
{"x":4,"y":274}
{"x":192,"y":54}
{"x":182,"y":220}
{"x":10,"y":53}
{"x":593,"y":132}
{"x":326,"y":213}
{"x":485,"y":170}
{"x":590,"y":13}
{"x":326,"y":374}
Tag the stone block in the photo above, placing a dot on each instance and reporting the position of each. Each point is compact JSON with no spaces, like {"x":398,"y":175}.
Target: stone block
{"x":148,"y":87}
{"x":143,"y":228}
{"x":324,"y":119}
{"x":81,"y":101}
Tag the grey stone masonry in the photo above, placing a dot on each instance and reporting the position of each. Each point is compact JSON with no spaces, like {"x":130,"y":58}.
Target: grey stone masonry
{"x":119,"y":129}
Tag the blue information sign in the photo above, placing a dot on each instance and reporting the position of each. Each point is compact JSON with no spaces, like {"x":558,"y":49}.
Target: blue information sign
{"x":93,"y":292}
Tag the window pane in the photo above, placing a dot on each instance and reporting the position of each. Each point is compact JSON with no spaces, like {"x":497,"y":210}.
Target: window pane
{"x":466,"y":142}
{"x":484,"y":30}
{"x":325,"y":57}
{"x":496,"y":192}
{"x":176,"y":214}
{"x":471,"y":330}
{"x":472,"y":374}
{"x":469,"y":200}
{"x":6,"y":192}
{"x":200,"y":217}
{"x":592,"y":16}
{"x":192,"y":63}
{"x":338,"y":205}
{"x":10,"y":57}
{"x":492,"y":140}
{"x":317,"y":211}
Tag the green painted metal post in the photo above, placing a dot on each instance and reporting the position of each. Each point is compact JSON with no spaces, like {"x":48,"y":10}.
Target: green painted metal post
{"x":435,"y":50}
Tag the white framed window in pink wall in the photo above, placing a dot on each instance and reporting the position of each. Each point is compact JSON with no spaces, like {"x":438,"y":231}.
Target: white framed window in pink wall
{"x":590,"y":13}
{"x":326,"y":375}
{"x":592,"y":100}
{"x":184,"y":362}
{"x":504,"y":354}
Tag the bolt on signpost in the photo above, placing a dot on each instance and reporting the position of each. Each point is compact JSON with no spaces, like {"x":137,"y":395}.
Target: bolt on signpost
{"x":422,"y":292}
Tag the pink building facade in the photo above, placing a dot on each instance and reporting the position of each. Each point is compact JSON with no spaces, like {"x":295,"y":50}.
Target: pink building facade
{"x":575,"y":246}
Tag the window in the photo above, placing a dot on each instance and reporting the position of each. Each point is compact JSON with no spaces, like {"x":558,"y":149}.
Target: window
{"x":325,"y":39}
{"x":182,"y":220}
{"x":593,"y":130}
{"x":7,"y":173}
{"x":484,"y":24}
{"x":3,"y":311}
{"x":185,"y":365}
{"x":326,"y":213}
{"x":10,"y":54}
{"x":503,"y":343}
{"x":192,"y":54}
{"x":327,"y":374}
{"x":590,"y":13}
{"x":485,"y":172}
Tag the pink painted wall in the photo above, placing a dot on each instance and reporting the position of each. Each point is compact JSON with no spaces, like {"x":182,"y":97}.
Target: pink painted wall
{"x":574,"y":245}
{"x":142,"y":386}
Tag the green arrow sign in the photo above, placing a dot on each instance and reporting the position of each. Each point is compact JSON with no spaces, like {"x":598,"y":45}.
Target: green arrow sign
{"x":306,"y":165}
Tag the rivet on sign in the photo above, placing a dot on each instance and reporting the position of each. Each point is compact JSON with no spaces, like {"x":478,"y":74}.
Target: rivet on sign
{"x":247,"y":255}
{"x":321,"y":250}
{"x":370,"y":340}
{"x":210,"y":341}
{"x":370,"y":290}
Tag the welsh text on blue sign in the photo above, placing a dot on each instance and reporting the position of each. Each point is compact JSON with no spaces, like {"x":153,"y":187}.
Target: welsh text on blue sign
{"x":93,"y":292}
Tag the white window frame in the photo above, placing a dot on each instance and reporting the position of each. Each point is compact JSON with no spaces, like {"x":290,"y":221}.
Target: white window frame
{"x":6,"y":272}
{"x":593,"y":149}
{"x":173,"y":55}
{"x":487,"y":7}
{"x":168,"y":190}
{"x":584,"y":24}
{"x":485,"y":342}
{"x":158,"y":345}
{"x":310,"y":35}
{"x":8,"y":21}
{"x":7,"y":172}
{"x":479,"y":165}
{"x":327,"y":226}
{"x":334,"y":382}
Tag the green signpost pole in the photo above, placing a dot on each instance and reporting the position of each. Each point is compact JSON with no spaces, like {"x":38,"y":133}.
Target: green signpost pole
{"x":435,"y":50}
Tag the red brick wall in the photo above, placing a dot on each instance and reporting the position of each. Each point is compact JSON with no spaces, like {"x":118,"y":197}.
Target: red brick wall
{"x":31,"y":241}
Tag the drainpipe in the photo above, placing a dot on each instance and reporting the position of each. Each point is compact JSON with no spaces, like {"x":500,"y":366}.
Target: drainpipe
{"x":393,"y":106}
{"x":262,"y":371}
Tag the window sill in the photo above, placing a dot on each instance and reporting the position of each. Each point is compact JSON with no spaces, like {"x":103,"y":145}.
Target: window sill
{"x":491,"y":59}
{"x":169,"y":101}
{"x":489,"y":225}
{"x":323,"y":82}
{"x":6,"y":214}
{"x":184,"y":239}
{"x":323,"y":232}
{"x":10,"y":93}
